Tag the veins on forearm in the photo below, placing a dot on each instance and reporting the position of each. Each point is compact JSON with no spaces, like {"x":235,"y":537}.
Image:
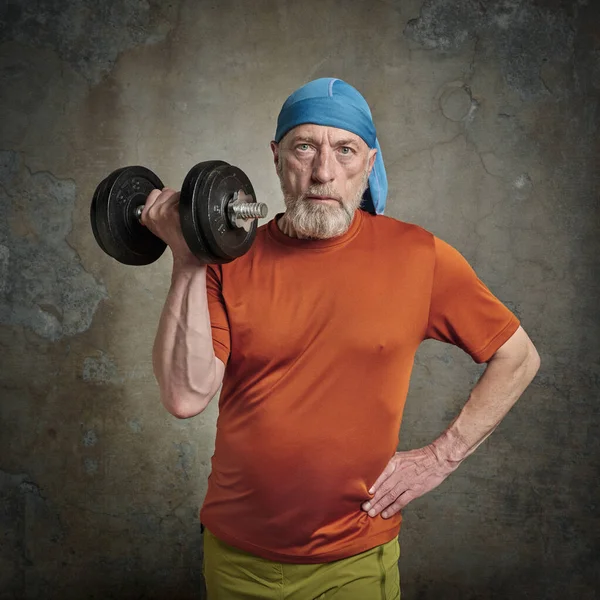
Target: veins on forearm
{"x":498,"y":389}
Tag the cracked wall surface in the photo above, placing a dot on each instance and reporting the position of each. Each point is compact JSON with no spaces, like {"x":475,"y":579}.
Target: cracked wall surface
{"x":88,"y":36}
{"x":44,"y":286}
{"x":488,"y":115}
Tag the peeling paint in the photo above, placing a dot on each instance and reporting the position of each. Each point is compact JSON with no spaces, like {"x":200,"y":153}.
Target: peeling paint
{"x":135,"y":425}
{"x":87,"y":35}
{"x":89,"y":438}
{"x":523,"y":186}
{"x":516,"y":33}
{"x":100,"y":369}
{"x":90,"y":466}
{"x":45,"y":288}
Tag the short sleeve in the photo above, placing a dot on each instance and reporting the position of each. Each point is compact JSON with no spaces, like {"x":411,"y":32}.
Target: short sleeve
{"x":218,"y":313}
{"x":463,"y":311}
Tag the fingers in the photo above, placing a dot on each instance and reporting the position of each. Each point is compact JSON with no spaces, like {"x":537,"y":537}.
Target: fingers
{"x":386,"y":496}
{"x":389,"y":469}
{"x":399,"y":504}
{"x":391,"y":503}
{"x":161,"y":216}
{"x":378,"y":488}
{"x":407,"y":476}
{"x":157,"y":202}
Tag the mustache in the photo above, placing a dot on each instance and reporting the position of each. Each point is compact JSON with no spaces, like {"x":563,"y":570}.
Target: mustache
{"x":321,"y":190}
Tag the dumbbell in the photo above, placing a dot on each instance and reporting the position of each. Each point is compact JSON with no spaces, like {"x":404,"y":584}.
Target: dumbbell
{"x":217,"y":208}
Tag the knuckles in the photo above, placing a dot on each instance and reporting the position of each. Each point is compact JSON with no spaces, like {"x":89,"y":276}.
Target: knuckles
{"x":161,"y":206}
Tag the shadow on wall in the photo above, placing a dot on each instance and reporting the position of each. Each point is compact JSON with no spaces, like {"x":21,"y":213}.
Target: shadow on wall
{"x":519,"y":584}
{"x":87,"y":538}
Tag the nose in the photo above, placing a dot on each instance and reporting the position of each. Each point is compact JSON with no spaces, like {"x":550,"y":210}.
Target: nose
{"x":323,"y":166}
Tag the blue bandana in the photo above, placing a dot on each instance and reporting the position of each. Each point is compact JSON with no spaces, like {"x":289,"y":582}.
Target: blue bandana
{"x":334,"y":103}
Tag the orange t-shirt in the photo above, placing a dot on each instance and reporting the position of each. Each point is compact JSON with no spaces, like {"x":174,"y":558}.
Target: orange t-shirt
{"x":319,"y":339}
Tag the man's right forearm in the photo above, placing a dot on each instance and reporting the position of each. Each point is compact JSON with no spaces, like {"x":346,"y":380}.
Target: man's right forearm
{"x":185,"y":366}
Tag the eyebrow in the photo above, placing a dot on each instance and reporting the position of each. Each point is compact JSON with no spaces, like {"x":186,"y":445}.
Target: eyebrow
{"x":347,"y":142}
{"x":312,"y":140}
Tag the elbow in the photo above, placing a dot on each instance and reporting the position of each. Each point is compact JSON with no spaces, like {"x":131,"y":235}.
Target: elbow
{"x":533,"y":359}
{"x":183,"y":398}
{"x":184,"y":405}
{"x":520,"y":356}
{"x":185,"y":401}
{"x":183,"y":413}
{"x":180,"y":414}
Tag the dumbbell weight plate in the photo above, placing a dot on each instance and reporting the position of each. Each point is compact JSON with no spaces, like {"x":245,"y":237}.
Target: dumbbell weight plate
{"x":225,"y":241}
{"x":96,"y":215}
{"x":190,"y":200}
{"x":93,"y":218}
{"x":114,"y":223}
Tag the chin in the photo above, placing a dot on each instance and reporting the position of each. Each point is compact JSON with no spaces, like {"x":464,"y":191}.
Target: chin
{"x":320,"y":221}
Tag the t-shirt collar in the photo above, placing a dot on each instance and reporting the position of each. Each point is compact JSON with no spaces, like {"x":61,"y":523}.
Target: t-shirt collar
{"x":277,"y":235}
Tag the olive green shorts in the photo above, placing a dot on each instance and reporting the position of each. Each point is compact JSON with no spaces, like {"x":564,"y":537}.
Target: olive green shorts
{"x":232,"y":574}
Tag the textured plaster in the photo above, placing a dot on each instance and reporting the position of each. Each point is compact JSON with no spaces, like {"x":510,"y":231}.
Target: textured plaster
{"x":45,"y":288}
{"x":488,"y":117}
{"x":521,"y":36}
{"x":87,"y":35}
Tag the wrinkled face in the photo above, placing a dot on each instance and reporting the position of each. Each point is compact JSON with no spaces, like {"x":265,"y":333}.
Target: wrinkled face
{"x":323,"y":172}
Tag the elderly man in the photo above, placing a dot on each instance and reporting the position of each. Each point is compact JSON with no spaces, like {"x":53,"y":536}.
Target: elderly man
{"x":312,"y":334}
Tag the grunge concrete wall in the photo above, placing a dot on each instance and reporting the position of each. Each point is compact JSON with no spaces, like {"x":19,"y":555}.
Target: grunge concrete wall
{"x":488,"y":116}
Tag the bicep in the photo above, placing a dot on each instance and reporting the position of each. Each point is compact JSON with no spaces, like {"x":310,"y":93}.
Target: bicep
{"x":217,"y":311}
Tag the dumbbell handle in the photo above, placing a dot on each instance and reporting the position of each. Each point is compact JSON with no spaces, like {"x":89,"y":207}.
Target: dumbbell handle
{"x":243,"y":210}
{"x":249,"y":210}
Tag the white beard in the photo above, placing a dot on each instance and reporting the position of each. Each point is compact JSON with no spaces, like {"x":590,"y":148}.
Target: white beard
{"x":314,"y":220}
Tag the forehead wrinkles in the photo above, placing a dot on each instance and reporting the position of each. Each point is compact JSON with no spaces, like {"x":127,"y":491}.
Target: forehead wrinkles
{"x":320,"y":134}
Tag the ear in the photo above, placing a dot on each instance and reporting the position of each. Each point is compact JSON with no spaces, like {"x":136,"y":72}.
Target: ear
{"x":275,"y":150}
{"x":372,"y":155}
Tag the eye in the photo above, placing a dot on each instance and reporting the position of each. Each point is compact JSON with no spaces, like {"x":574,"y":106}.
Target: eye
{"x":303,"y":147}
{"x":345,"y":150}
